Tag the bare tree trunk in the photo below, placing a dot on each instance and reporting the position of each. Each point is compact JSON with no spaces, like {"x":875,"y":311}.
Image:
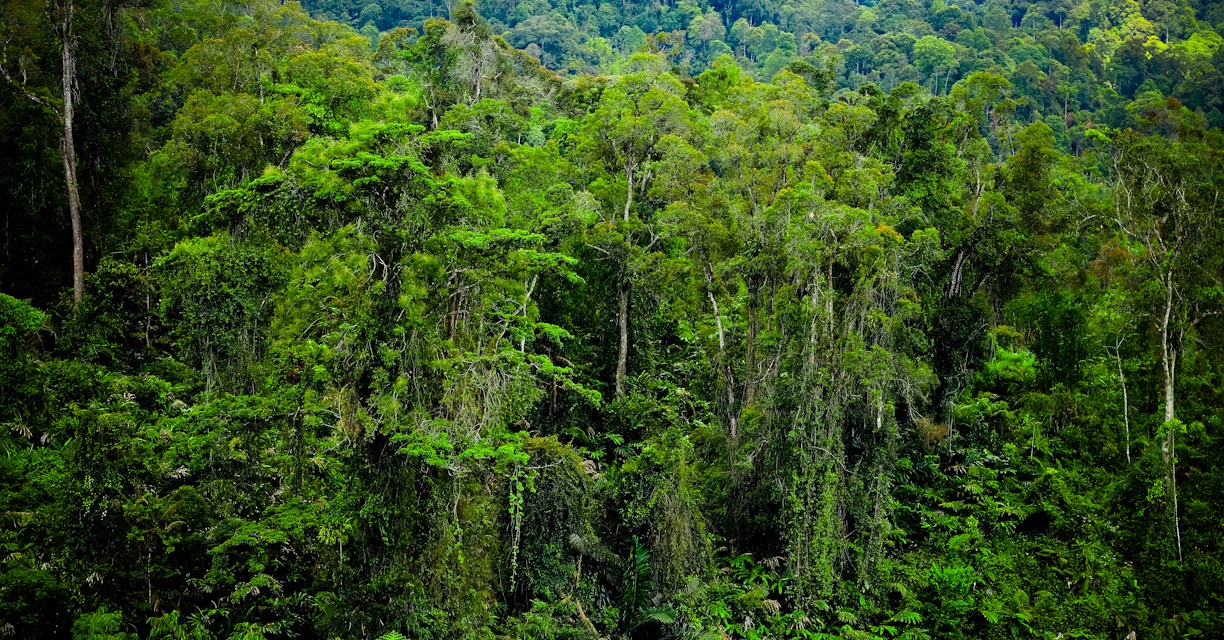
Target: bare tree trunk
{"x":1168,"y":354}
{"x":1176,"y":517}
{"x":954,"y":286}
{"x":69,"y":154}
{"x":722,"y":357}
{"x":622,"y":322}
{"x":751,"y":364}
{"x":628,"y":190}
{"x":1125,"y":398}
{"x":1168,"y":453}
{"x":67,"y":148}
{"x":622,"y":295}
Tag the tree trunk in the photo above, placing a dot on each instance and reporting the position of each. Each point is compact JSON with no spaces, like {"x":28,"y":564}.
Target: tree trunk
{"x":1168,"y":353}
{"x":69,"y":154}
{"x":751,"y":364}
{"x":725,"y":364}
{"x":622,"y":322}
{"x":1125,"y":398}
{"x":628,"y":189}
{"x":1168,"y":453}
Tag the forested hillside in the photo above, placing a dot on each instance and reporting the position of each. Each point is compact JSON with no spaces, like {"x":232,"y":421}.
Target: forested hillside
{"x":511,"y":320}
{"x":1070,"y":62}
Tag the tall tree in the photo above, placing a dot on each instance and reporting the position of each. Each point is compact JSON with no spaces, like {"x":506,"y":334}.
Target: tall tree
{"x":61,"y":13}
{"x":623,"y":134}
{"x":1166,"y":205}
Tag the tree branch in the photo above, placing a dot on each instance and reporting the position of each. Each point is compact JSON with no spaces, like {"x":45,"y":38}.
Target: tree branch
{"x":20,"y":87}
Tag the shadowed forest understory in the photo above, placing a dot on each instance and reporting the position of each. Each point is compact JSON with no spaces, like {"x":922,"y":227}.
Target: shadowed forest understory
{"x":706,"y":320}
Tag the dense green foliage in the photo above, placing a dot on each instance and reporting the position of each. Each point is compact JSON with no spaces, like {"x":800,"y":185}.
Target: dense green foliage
{"x":1074,"y":62}
{"x":908,"y":326}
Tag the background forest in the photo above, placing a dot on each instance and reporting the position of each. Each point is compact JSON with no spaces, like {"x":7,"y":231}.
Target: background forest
{"x":751,"y":320}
